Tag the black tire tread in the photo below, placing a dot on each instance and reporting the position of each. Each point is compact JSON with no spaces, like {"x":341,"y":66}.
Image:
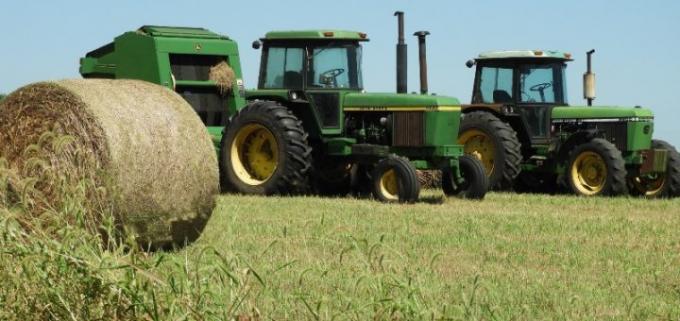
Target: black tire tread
{"x":616,"y":175}
{"x":507,"y":136}
{"x":474,"y":170}
{"x":294,"y":178}
{"x":672,"y":188}
{"x":410,"y":177}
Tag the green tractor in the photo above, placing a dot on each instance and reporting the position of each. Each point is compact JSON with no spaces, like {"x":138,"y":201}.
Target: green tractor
{"x":528,"y":138}
{"x":309,"y":125}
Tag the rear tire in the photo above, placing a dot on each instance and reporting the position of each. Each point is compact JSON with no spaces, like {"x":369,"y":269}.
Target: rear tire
{"x":265,"y":151}
{"x":597,"y":168}
{"x":495,"y":144}
{"x":476,"y":182}
{"x":395,"y":180}
{"x":666,"y":185}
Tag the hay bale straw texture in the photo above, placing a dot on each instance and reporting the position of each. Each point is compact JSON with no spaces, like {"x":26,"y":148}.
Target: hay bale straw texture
{"x":141,"y":143}
{"x":223,"y":76}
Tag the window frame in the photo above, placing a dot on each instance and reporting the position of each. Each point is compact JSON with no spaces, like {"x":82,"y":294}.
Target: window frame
{"x":308,"y":46}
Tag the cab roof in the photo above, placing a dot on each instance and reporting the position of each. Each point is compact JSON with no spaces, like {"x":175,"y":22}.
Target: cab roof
{"x":315,"y":35}
{"x":522,"y":54}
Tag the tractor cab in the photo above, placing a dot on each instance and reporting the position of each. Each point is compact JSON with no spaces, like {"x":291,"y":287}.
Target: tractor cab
{"x":312,"y":68}
{"x":311,"y":60}
{"x":527,"y":83}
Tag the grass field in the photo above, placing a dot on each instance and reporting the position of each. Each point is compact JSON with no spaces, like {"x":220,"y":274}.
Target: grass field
{"x":509,"y":257}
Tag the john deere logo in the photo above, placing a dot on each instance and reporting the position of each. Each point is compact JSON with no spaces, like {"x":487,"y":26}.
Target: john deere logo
{"x":198,"y":47}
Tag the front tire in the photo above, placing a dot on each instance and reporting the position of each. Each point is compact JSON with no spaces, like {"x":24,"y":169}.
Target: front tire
{"x":475,"y":183}
{"x":394,"y":179}
{"x":264,"y":151}
{"x":495,"y":144}
{"x":597,"y":168}
{"x":661,"y":185}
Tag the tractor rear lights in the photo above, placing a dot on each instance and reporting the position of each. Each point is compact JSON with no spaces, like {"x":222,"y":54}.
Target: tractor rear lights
{"x":538,"y":53}
{"x":363,"y":35}
{"x":328,"y":34}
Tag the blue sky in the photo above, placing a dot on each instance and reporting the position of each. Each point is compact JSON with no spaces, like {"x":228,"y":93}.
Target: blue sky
{"x":637,"y":42}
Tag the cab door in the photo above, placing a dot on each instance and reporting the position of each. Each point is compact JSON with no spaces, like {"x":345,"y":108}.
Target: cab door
{"x":537,"y":93}
{"x":331,"y":71}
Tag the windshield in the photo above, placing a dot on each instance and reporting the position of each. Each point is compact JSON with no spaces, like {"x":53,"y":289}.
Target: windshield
{"x":542,"y":84}
{"x":335,"y":66}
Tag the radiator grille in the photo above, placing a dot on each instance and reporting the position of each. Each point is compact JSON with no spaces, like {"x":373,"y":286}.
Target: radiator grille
{"x":616,"y":133}
{"x":408,"y":129}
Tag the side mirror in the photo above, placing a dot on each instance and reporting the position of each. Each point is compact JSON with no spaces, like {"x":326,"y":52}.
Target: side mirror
{"x":470,"y":63}
{"x":257,"y":44}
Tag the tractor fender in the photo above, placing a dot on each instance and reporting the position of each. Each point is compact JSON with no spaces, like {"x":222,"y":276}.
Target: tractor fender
{"x":574,"y":140}
{"x":512,"y":119}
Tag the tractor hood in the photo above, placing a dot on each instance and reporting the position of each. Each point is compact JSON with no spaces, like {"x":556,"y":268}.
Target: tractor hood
{"x":391,"y":101}
{"x":584,"y":112}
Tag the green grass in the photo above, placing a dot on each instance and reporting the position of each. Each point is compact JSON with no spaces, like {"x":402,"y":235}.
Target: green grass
{"x":509,"y":257}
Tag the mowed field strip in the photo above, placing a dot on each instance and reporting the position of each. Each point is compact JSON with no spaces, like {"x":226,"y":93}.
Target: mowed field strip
{"x":507,"y":257}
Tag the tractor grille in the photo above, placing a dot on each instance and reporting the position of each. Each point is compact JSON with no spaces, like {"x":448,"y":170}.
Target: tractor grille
{"x":616,"y":133}
{"x":408,"y":129}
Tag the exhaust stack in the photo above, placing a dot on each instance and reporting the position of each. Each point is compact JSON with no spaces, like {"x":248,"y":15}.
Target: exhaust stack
{"x":401,"y":56}
{"x":589,"y":80}
{"x":423,"y":60}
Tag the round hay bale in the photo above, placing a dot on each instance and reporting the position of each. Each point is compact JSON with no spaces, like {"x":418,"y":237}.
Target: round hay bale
{"x":146,"y":151}
{"x":223,"y":76}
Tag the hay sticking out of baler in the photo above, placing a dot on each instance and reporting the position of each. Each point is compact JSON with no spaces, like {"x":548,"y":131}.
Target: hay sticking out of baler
{"x":141,"y":149}
{"x":223,"y":76}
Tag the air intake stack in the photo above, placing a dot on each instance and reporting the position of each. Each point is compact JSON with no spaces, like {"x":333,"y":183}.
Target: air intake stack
{"x":401,"y":56}
{"x":423,"y":60}
{"x":589,"y":80}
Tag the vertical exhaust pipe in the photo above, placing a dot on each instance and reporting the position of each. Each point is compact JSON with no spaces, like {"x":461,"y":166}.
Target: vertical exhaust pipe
{"x":401,"y":56}
{"x":423,"y":60}
{"x":589,"y":80}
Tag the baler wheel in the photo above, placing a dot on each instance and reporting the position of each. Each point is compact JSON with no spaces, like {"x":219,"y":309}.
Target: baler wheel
{"x":265,"y":151}
{"x":661,"y":185}
{"x":475,"y":184}
{"x":395,"y":180}
{"x":597,"y":168}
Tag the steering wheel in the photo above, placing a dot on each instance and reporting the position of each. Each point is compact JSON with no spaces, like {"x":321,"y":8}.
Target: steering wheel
{"x":332,"y":73}
{"x":541,"y":87}
{"x":329,"y":77}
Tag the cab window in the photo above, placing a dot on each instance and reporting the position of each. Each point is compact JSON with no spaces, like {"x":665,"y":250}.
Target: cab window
{"x":496,"y":85}
{"x":537,"y":84}
{"x":335,"y":66}
{"x":284,"y":68}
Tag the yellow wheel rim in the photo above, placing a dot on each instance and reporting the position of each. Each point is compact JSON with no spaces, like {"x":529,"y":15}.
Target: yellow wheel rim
{"x":477,"y":143}
{"x":254,"y":154}
{"x":589,"y":173}
{"x":389,"y":186}
{"x":650,"y":186}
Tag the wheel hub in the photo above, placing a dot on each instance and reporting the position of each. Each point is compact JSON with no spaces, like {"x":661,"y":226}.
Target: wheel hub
{"x":478,"y":144}
{"x":589,"y":172}
{"x":254,"y":154}
{"x":389,"y":185}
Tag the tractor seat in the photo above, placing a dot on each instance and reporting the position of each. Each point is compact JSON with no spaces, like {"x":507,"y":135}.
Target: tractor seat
{"x":501,"y":97}
{"x":292,"y":79}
